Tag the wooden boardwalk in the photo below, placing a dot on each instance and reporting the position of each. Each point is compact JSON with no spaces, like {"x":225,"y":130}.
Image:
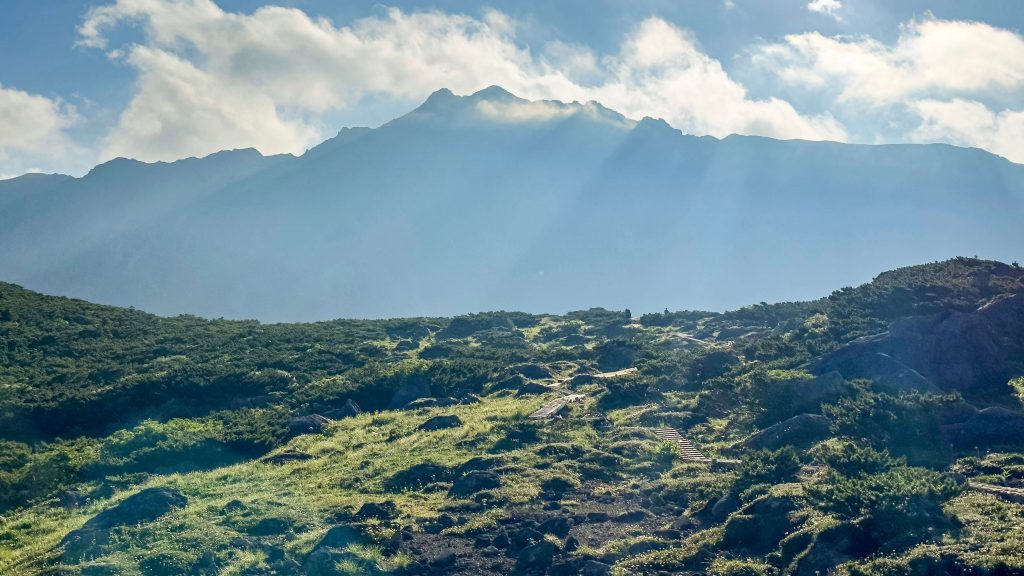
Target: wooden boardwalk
{"x":553,"y":408}
{"x":615,"y":373}
{"x":1005,"y":492}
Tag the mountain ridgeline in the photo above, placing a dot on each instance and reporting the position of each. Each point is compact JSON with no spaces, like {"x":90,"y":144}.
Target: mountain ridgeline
{"x":489,"y":202}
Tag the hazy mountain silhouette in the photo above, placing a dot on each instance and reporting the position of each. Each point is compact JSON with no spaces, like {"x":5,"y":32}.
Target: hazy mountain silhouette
{"x":493,"y":202}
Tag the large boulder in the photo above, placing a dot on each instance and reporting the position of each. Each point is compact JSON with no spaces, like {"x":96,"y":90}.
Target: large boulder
{"x":377,"y":510}
{"x":474,"y":482}
{"x":863,"y":359}
{"x":416,"y":387}
{"x":802,"y":431}
{"x":951,"y":351}
{"x":535,"y":371}
{"x":536,"y":556}
{"x":340,"y":537}
{"x":348,"y":410}
{"x":309,"y":424}
{"x":144,"y":506}
{"x":430,"y":403}
{"x":442,"y":422}
{"x":417,"y":476}
{"x":993,"y":427}
{"x":140,"y":508}
{"x":513,"y":382}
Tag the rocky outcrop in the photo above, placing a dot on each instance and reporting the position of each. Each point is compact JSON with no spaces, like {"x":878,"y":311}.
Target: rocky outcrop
{"x":286,"y":457}
{"x":802,"y":431}
{"x":310,"y":424}
{"x":474,"y":482}
{"x":951,"y":351}
{"x":348,"y":410}
{"x":377,"y":510}
{"x":442,"y":422}
{"x":417,"y":476}
{"x":140,"y":508}
{"x":535,"y":371}
{"x":412,"y":389}
{"x":989,"y":428}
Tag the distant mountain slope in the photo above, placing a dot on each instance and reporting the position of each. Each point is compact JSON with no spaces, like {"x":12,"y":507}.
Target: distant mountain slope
{"x":493,"y":202}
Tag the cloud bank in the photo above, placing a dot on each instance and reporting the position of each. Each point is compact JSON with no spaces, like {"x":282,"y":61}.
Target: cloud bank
{"x":209,"y":79}
{"x":942,"y":74}
{"x":33,"y":131}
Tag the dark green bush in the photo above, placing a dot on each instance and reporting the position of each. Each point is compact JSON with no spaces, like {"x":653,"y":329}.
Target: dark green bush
{"x":766,"y":467}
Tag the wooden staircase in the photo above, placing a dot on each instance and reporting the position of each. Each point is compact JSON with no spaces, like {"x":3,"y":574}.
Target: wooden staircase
{"x":687,"y":451}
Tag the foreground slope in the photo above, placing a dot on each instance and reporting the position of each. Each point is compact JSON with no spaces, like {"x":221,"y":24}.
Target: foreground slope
{"x":491,"y":202}
{"x":876,"y":431}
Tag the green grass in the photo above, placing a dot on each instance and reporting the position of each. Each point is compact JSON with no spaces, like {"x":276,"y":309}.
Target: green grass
{"x":349,"y":468}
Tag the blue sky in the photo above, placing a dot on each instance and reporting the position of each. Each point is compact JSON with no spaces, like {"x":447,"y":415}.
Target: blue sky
{"x":82,"y":82}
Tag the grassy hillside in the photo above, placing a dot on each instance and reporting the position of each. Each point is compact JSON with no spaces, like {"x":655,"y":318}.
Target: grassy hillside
{"x":851,"y":434}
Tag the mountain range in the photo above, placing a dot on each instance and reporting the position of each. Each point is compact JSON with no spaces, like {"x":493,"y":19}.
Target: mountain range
{"x":489,"y":201}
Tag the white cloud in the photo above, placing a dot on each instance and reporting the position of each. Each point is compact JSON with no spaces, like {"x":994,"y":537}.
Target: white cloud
{"x":929,"y":57}
{"x":32,"y":130}
{"x":211,"y":79}
{"x":830,"y":7}
{"x":969,"y":123}
{"x":660,"y":71}
{"x":523,"y":111}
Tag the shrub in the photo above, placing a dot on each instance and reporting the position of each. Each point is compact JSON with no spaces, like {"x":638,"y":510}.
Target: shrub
{"x":766,"y":467}
{"x":728,"y":567}
{"x":903,"y":504}
{"x":851,"y":460}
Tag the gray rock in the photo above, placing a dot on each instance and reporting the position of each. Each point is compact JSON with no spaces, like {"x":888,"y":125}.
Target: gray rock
{"x":442,"y":422}
{"x":417,"y":476}
{"x":309,"y":424}
{"x":951,"y":351}
{"x":377,"y":510}
{"x":631,"y":516}
{"x":595,"y":568}
{"x":535,"y":371}
{"x":349,"y":410}
{"x":286,"y":457}
{"x":993,"y":427}
{"x":443,"y":560}
{"x":802,"y":430}
{"x":140,"y":508}
{"x":340,"y":536}
{"x":414,"y":388}
{"x":558,"y":525}
{"x":474,"y":482}
{"x":534,"y":556}
{"x":144,"y":506}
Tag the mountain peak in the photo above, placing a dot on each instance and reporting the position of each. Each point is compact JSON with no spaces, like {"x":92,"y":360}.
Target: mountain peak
{"x":494,"y":93}
{"x":439,"y":100}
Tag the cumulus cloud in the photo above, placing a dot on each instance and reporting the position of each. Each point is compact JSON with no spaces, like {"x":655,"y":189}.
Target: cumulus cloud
{"x":33,"y":130}
{"x":210,"y":79}
{"x":830,"y":7}
{"x":969,"y":123}
{"x":660,"y":71}
{"x":938,"y":74}
{"x":930,"y":56}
